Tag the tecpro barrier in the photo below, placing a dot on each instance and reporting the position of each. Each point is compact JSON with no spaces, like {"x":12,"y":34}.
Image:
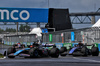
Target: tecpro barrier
{"x":67,"y":45}
{"x":74,"y":44}
{"x":58,"y":45}
{"x":99,"y":46}
{"x":25,"y":44}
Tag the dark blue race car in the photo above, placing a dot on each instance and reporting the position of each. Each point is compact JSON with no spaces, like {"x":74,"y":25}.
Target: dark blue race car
{"x":33,"y":51}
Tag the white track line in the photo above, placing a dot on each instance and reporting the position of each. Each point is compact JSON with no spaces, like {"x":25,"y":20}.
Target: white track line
{"x":3,"y":58}
{"x":86,"y":59}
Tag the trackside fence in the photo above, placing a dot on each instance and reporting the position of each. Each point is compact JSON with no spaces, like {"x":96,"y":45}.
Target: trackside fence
{"x":26,"y":39}
{"x":86,"y":35}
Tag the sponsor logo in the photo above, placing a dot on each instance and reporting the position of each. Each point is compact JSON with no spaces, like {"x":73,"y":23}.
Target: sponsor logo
{"x":12,"y":16}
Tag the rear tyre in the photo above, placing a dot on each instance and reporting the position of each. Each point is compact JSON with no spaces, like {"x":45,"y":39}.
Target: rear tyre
{"x":95,"y":51}
{"x":54,"y":52}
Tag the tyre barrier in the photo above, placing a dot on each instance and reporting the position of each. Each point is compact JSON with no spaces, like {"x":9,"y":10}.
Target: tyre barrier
{"x":59,"y":45}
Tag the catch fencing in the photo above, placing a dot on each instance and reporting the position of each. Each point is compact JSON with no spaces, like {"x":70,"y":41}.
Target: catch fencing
{"x":26,"y":39}
{"x":86,"y":35}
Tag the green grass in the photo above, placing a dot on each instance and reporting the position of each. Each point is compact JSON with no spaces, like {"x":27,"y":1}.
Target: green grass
{"x":1,"y":56}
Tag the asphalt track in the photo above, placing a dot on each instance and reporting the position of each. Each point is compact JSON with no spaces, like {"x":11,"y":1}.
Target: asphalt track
{"x":61,"y":61}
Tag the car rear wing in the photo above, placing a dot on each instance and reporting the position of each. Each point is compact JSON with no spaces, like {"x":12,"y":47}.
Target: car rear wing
{"x":93,"y":45}
{"x":48,"y":45}
{"x":90,"y":45}
{"x":42,"y":45}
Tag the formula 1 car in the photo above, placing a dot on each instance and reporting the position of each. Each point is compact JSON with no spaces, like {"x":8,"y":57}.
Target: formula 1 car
{"x":80,"y":51}
{"x":33,"y":51}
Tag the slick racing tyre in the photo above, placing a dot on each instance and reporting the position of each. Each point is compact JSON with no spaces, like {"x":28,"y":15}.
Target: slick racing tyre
{"x":84,"y":51}
{"x":95,"y":51}
{"x":33,"y":52}
{"x":54,"y":52}
{"x":63,"y":51}
{"x":11,"y":56}
{"x":11,"y":50}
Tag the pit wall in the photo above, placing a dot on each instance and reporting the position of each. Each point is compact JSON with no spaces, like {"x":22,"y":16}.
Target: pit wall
{"x":58,"y":45}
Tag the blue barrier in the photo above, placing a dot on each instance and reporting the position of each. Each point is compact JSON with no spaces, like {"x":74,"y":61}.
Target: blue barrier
{"x":31,"y":43}
{"x":74,"y":44}
{"x":4,"y":42}
{"x":7,"y":43}
{"x":25,"y":44}
{"x":12,"y":43}
{"x":59,"y":45}
{"x":99,"y":46}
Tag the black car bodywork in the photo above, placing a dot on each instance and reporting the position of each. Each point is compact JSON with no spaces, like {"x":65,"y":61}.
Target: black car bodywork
{"x":33,"y":51}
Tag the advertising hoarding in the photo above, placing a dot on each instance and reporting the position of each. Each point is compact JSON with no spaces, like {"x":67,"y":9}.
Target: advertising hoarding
{"x":24,"y":15}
